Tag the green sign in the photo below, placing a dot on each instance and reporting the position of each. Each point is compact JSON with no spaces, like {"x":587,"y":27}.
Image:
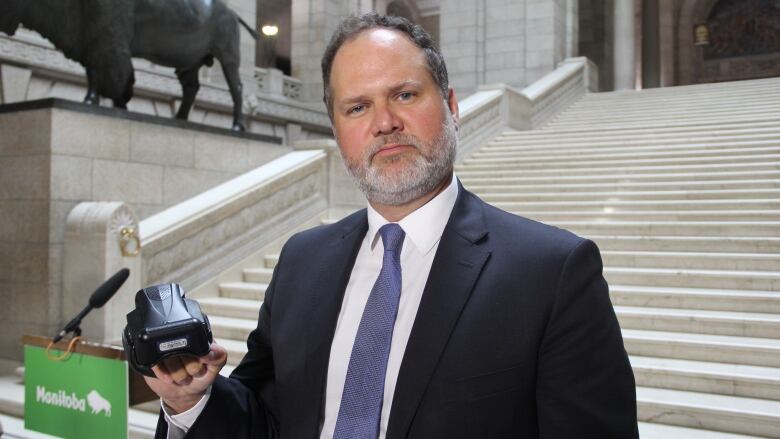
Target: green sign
{"x":83,"y":397}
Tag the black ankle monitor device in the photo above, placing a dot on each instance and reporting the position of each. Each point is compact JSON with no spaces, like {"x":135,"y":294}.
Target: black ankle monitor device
{"x":164,"y":324}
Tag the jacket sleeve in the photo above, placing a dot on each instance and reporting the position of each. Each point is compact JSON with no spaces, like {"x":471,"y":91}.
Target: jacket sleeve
{"x":242,"y":406}
{"x":585,"y":385}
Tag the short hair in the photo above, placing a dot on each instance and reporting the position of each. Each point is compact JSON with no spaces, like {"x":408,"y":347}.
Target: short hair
{"x":354,"y":25}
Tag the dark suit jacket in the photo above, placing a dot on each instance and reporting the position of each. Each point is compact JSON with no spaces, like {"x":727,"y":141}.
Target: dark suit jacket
{"x":515,"y":337}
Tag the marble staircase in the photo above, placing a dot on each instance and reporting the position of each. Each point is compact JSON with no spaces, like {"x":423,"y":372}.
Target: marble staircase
{"x":679,"y":188}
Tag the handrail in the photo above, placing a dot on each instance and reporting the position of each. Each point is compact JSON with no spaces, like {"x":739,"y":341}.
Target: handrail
{"x":495,"y":107}
{"x":195,"y":240}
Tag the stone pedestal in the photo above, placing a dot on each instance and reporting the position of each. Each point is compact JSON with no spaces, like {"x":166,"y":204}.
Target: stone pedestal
{"x":56,"y":154}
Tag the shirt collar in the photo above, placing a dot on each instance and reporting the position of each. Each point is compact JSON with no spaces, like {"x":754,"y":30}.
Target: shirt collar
{"x":425,"y":225}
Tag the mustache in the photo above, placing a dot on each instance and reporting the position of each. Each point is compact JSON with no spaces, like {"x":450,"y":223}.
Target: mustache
{"x":394,"y":138}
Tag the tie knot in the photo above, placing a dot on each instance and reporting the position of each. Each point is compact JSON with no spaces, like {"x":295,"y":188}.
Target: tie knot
{"x":392,"y":237}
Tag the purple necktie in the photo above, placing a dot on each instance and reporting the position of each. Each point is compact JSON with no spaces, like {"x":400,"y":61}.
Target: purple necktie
{"x":361,"y":402}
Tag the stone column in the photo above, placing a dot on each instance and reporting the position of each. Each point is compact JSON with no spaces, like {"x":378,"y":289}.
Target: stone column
{"x":514,"y":42}
{"x":313,"y":23}
{"x":651,"y":64}
{"x":666,"y":36}
{"x":625,"y":54}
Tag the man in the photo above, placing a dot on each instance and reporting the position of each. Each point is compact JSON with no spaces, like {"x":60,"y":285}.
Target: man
{"x":428,"y":315}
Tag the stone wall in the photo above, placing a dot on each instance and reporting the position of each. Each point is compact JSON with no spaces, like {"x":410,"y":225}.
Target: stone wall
{"x":596,"y":36}
{"x":56,"y":156}
{"x":514,"y":42}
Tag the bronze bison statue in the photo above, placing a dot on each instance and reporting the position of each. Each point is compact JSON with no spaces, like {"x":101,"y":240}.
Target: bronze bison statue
{"x":103,"y":35}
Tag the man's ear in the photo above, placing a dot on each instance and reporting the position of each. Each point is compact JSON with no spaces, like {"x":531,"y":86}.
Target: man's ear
{"x":452,"y":103}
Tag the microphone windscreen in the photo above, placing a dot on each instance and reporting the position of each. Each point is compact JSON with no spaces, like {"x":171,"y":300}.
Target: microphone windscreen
{"x":108,"y":288}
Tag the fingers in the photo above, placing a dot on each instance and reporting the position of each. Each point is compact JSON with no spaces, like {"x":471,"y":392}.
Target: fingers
{"x":182,"y":370}
{"x":194,"y":367}
{"x":175,"y":366}
{"x":216,"y":358}
{"x":161,"y":372}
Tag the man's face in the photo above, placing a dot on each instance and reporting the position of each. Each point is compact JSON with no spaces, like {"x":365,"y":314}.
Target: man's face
{"x":395,"y":131}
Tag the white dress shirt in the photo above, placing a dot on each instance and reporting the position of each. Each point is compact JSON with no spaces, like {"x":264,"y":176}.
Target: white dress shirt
{"x":423,"y":229}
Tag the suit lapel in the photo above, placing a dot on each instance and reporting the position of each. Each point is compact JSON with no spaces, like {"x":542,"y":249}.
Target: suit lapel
{"x":458,"y":262}
{"x":336,"y":259}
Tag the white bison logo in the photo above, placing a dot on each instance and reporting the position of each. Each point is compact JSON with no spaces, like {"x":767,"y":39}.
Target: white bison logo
{"x":98,"y":404}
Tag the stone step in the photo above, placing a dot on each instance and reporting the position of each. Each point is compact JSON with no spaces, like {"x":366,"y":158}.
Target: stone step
{"x":652,"y":114}
{"x":734,"y":88}
{"x":486,"y":179}
{"x":696,"y":298}
{"x":751,"y":416}
{"x":612,"y":123}
{"x":716,"y":101}
{"x":624,"y":147}
{"x":141,"y":425}
{"x":682,"y":128}
{"x":692,"y":260}
{"x":703,"y":347}
{"x":673,"y":228}
{"x":620,"y":186}
{"x":651,"y":430}
{"x":567,"y":152}
{"x":761,"y":85}
{"x":229,"y":307}
{"x":694,"y":278}
{"x":608,"y":204}
{"x":236,"y":350}
{"x":243,"y":290}
{"x":737,"y":324}
{"x":639,"y":135}
{"x":231,"y":328}
{"x":707,"y":377}
{"x":614,"y":214}
{"x":686,"y":194}
{"x":271,"y":261}
{"x":612,"y":126}
{"x":258,"y":275}
{"x":681,"y":95}
{"x":671,"y":170}
{"x":642,"y":108}
{"x":518,"y":164}
{"x":746,"y":244}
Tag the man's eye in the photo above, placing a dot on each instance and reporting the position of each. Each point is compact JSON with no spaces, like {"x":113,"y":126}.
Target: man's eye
{"x":356,"y":109}
{"x":405,"y":96}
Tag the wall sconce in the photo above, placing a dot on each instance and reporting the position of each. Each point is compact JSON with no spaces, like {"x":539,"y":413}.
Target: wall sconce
{"x":270,"y":30}
{"x":701,"y":35}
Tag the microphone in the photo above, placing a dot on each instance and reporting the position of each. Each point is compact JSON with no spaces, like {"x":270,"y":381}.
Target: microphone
{"x":96,"y":300}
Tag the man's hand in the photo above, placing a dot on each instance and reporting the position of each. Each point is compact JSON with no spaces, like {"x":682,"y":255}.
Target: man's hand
{"x":182,"y":380}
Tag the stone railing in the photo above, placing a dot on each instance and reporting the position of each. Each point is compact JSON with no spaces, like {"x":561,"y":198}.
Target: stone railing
{"x":274,"y":82}
{"x":291,"y":88}
{"x":496,"y":107}
{"x":192,"y":243}
{"x":196,"y":240}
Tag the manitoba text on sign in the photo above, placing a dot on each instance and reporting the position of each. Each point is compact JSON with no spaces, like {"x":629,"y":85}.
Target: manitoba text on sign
{"x":82,"y":397}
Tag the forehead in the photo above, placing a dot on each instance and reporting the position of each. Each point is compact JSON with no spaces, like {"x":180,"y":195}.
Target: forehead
{"x":378,"y":52}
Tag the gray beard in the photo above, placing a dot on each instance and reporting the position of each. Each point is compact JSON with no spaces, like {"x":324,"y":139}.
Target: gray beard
{"x":421,"y":176}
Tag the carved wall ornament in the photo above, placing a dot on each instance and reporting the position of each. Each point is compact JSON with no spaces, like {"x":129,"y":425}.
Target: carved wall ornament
{"x":124,"y":225}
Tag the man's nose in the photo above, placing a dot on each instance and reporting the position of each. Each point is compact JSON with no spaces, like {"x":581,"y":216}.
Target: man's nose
{"x":386,"y":121}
